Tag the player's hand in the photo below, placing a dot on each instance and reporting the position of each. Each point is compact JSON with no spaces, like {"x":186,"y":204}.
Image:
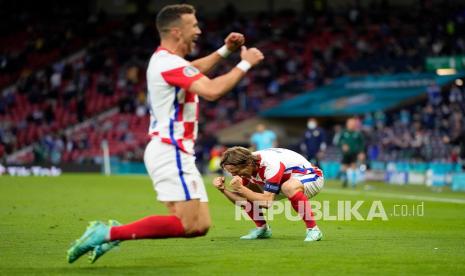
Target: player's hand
{"x":251,"y":55}
{"x":234,"y":41}
{"x":218,"y":182}
{"x":236,"y":183}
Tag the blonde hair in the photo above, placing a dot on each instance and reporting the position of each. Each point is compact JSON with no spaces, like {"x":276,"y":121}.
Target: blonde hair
{"x":238,"y":156}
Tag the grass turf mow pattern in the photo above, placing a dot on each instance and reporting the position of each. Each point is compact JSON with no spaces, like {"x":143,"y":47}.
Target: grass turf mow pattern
{"x":41,"y":216}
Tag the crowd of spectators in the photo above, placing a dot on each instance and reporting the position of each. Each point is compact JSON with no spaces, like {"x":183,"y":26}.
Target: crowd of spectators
{"x":306,"y":51}
{"x":302,"y":50}
{"x":420,"y":132}
{"x":427,"y":131}
{"x":108,"y":73}
{"x":34,"y":35}
{"x":123,"y":131}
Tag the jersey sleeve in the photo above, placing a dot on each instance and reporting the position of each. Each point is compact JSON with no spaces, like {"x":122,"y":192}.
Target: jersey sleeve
{"x":182,"y":76}
{"x":273,"y":174}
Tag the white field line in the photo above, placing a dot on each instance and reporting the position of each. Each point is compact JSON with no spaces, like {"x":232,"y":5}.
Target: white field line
{"x":395,"y":196}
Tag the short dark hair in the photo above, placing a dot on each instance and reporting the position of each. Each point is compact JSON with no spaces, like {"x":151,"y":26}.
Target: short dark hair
{"x":171,"y":14}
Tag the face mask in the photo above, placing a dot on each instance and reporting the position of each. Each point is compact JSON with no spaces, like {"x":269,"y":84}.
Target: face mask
{"x":311,"y":125}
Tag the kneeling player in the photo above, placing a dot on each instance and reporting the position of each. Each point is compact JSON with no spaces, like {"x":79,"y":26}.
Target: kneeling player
{"x":277,"y":171}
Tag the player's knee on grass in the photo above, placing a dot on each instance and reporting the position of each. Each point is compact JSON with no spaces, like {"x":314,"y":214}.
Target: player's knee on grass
{"x":203,"y":224}
{"x":197,"y":229}
{"x":194,"y":227}
{"x":203,"y":228}
{"x":194,"y":216}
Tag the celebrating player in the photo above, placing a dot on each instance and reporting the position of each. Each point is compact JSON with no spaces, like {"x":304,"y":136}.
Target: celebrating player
{"x":277,"y":171}
{"x":174,"y":85}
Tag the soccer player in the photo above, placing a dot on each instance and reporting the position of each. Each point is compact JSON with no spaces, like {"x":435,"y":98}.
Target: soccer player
{"x":277,"y":171}
{"x":174,"y":85}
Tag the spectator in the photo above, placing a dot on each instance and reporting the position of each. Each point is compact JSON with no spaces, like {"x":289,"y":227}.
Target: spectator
{"x":460,"y":141}
{"x":405,"y":117}
{"x":455,"y":95}
{"x":434,"y":94}
{"x":368,"y":122}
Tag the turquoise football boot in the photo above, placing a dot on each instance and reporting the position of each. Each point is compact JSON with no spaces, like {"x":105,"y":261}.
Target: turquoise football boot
{"x":94,"y":235}
{"x":99,"y":250}
{"x":258,"y":233}
{"x":313,"y":234}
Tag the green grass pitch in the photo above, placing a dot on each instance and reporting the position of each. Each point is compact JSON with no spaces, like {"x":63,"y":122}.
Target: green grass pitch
{"x":40,"y":217}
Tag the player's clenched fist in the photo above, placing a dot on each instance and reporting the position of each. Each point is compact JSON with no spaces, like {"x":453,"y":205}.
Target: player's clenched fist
{"x":218,"y":182}
{"x":233,"y":41}
{"x":236,"y":183}
{"x":251,"y":55}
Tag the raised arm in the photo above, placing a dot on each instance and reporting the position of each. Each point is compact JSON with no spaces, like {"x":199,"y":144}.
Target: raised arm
{"x":213,"y":89}
{"x":232,"y":42}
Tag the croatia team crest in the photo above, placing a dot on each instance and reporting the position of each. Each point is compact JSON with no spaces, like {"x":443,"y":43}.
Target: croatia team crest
{"x":190,"y":71}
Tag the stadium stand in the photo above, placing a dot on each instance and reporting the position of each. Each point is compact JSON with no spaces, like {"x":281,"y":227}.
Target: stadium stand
{"x":37,"y":36}
{"x":37,"y":110}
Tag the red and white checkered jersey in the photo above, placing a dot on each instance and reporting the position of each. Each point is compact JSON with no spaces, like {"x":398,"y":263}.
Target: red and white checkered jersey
{"x":277,"y":165}
{"x":173,"y":109}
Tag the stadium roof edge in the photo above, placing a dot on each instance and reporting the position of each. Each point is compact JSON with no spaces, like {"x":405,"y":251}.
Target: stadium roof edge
{"x":347,"y":96}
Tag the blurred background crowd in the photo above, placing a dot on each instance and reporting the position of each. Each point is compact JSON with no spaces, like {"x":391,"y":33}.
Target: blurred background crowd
{"x":71,"y":77}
